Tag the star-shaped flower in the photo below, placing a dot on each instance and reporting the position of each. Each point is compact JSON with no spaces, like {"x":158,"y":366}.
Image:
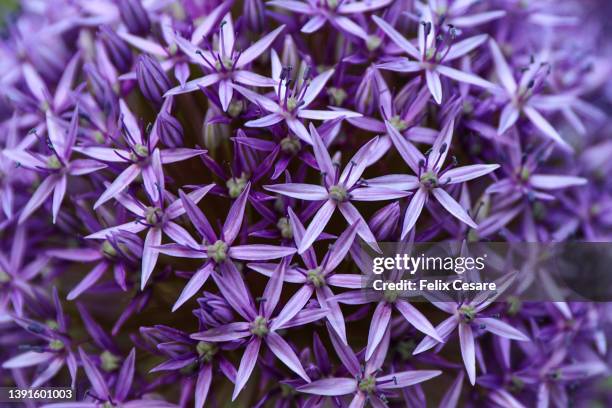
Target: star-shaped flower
{"x":338,"y":190}
{"x":431,"y":177}
{"x":226,"y":65}
{"x":437,"y":48}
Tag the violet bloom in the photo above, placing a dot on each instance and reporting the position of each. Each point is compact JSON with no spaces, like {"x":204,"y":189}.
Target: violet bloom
{"x":17,"y":275}
{"x":218,"y":249}
{"x":140,"y":153}
{"x":100,"y":394}
{"x":118,"y":252}
{"x":436,"y":49}
{"x":58,"y":166}
{"x":226,"y":64}
{"x":292,"y":99}
{"x":522,"y":98}
{"x":457,"y":13}
{"x":385,"y":301}
{"x":186,"y":355}
{"x":336,"y":12}
{"x":431,"y":177}
{"x":57,"y":351}
{"x":157,"y":218}
{"x":261,"y":324}
{"x":466,"y":315}
{"x":366,"y":384}
{"x":339,"y":189}
{"x":318,"y":277}
{"x":167,"y":51}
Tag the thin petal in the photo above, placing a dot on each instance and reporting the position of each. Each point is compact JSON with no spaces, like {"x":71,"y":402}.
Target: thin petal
{"x":453,"y":207}
{"x":247,"y":363}
{"x":150,"y":253}
{"x":466,"y":341}
{"x":259,"y":252}
{"x":501,"y":328}
{"x":378,"y":327}
{"x":405,"y":378}
{"x":463,"y":47}
{"x":411,"y":155}
{"x":194,"y":285}
{"x":413,"y":211}
{"x":417,"y":319}
{"x":397,"y":38}
{"x":462,"y":76}
{"x":43,"y":191}
{"x":233,"y":222}
{"x":122,"y":181}
{"x":330,"y":387}
{"x":465,"y":173}
{"x":553,"y":182}
{"x":258,"y":48}
{"x":545,"y":127}
{"x":194,"y":85}
{"x":504,"y":73}
{"x":300,"y":191}
{"x":434,"y":84}
{"x":283,"y":351}
{"x":316,"y":86}
{"x":317,"y":225}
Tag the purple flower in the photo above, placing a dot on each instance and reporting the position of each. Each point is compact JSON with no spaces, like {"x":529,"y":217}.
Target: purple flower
{"x":436,"y":49}
{"x":225,"y":63}
{"x":218,"y":249}
{"x":261,"y":324}
{"x":339,"y":189}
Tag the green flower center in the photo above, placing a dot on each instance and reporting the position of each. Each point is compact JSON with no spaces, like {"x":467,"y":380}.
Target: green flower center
{"x":391,"y":295}
{"x":525,"y":174}
{"x":4,"y":277}
{"x":110,"y":362}
{"x":99,"y":137}
{"x":140,"y":152}
{"x":235,"y":109}
{"x":373,"y":42}
{"x":332,"y":4}
{"x":54,"y":163}
{"x":153,"y":215}
{"x":467,"y":313}
{"x":56,"y":345}
{"x":368,"y":384}
{"x":292,"y":103}
{"x":108,"y":405}
{"x":315,"y":276}
{"x":514,"y":305}
{"x":52,"y":324}
{"x":226,"y":63}
{"x":108,"y":249}
{"x":338,"y":193}
{"x":429,"y":179}
{"x":337,"y":95}
{"x":398,"y":123}
{"x":516,"y":384}
{"x":206,"y":351}
{"x":285,"y":228}
{"x":217,"y":251}
{"x":290,"y":145}
{"x":259,"y":326}
{"x":406,"y":348}
{"x":236,"y":186}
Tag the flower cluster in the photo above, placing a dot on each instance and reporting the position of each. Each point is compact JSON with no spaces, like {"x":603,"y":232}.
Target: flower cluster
{"x":185,"y":187}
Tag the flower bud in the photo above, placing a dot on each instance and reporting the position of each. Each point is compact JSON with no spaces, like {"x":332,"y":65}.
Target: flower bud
{"x":214,"y":310}
{"x":152,"y":79}
{"x":118,"y":50}
{"x":364,"y":98}
{"x":255,"y":16}
{"x":170,"y":130}
{"x":289,"y":54}
{"x":102,"y":90}
{"x":134,"y":16}
{"x":384,"y":221}
{"x":214,"y":132}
